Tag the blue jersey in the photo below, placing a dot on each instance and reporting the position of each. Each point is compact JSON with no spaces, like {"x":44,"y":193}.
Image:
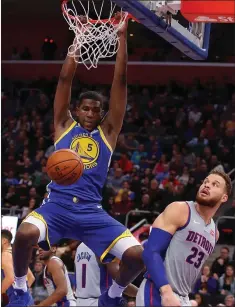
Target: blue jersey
{"x":95,"y":152}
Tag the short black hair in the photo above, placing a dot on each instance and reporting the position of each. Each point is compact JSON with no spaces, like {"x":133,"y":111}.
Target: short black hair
{"x":6,"y":234}
{"x":91,"y":95}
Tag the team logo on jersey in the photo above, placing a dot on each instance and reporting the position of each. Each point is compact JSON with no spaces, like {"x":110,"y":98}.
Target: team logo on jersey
{"x":88,"y":150}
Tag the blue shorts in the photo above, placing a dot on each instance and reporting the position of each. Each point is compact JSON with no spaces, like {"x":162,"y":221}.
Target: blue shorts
{"x":89,"y":223}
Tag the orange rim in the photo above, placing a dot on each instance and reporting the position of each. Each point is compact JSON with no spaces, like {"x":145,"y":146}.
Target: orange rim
{"x":94,"y":21}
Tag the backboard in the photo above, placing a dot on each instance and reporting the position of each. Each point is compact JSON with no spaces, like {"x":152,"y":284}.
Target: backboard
{"x":191,"y":38}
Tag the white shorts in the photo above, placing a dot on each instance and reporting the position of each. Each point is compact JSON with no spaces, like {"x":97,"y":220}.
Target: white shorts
{"x":72,"y":303}
{"x":148,"y":296}
{"x":87,"y":302}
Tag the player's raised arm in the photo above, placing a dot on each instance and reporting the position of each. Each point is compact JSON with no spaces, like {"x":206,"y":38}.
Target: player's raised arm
{"x":163,"y":229}
{"x":56,"y":270}
{"x":62,"y":116}
{"x":113,"y":121}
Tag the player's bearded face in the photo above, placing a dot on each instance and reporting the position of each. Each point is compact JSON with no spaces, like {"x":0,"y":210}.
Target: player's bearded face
{"x":44,"y":255}
{"x":210,"y":201}
{"x":211,"y":192}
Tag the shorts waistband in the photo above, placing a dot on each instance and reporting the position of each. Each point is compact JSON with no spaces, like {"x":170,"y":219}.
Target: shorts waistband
{"x":72,"y":199}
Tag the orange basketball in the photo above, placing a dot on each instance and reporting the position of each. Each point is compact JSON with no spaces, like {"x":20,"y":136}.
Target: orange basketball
{"x":64,"y":167}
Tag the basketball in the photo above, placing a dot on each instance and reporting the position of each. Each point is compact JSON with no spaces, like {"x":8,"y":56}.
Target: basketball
{"x":64,"y":167}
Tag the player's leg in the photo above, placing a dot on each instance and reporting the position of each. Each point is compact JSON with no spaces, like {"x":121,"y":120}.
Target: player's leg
{"x":42,"y":227}
{"x":26,"y":237}
{"x":101,"y":233}
{"x":129,"y":251}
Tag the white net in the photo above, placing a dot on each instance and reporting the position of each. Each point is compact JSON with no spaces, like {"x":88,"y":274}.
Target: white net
{"x":95,"y":38}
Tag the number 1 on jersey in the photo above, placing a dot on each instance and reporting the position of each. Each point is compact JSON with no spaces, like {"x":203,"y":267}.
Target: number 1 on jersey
{"x":83,"y":275}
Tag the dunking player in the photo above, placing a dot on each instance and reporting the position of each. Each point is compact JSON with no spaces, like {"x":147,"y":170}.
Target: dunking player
{"x":74,"y":211}
{"x":7,"y":271}
{"x":93,"y":277}
{"x":56,"y":280}
{"x":181,"y":240}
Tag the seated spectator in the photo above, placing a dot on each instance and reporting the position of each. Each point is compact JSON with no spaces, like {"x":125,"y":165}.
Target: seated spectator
{"x":206,"y":155}
{"x":115,"y":165}
{"x":145,"y":203}
{"x":144,"y":130}
{"x":115,"y":182}
{"x":123,"y":206}
{"x":214,"y":162}
{"x":125,"y":188}
{"x":210,"y":132}
{"x":11,"y":179}
{"x":155,"y":154}
{"x":28,"y":209}
{"x":125,"y":164}
{"x":144,"y":163}
{"x":42,"y":177}
{"x":229,"y":301}
{"x":230,"y":124}
{"x":11,"y":198}
{"x":138,"y":154}
{"x":159,"y":166}
{"x":9,"y":165}
{"x":195,"y":114}
{"x":218,"y":266}
{"x":227,"y":281}
{"x":131,"y":143}
{"x":163,"y":175}
{"x":200,"y":173}
{"x":199,"y":298}
{"x":39,"y":291}
{"x":25,"y":181}
{"x":184,"y":178}
{"x":206,"y":284}
{"x":200,"y":141}
{"x":156,"y":194}
{"x":189,"y":158}
{"x":33,"y":194}
{"x":176,"y":163}
{"x":170,"y":183}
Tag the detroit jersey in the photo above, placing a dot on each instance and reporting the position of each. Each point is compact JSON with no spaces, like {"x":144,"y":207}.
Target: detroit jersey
{"x":189,"y":248}
{"x":92,"y":278}
{"x":10,"y":290}
{"x":69,"y":299}
{"x":95,"y":152}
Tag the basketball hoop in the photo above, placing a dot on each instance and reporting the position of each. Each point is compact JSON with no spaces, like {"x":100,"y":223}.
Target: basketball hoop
{"x":94,"y":38}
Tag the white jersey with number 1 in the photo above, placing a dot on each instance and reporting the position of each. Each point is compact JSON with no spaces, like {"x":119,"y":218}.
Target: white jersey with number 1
{"x":92,"y":278}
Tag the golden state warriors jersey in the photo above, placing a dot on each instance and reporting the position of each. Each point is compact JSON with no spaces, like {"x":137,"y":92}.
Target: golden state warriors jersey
{"x":95,"y":152}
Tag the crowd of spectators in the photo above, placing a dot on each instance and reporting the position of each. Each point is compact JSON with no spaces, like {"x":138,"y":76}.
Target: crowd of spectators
{"x":172,"y":137}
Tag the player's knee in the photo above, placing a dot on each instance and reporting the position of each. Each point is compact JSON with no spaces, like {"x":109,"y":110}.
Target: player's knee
{"x":27,"y":233}
{"x":133,"y":257}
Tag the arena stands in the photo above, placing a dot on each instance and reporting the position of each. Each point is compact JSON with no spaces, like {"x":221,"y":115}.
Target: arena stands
{"x":172,"y":137}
